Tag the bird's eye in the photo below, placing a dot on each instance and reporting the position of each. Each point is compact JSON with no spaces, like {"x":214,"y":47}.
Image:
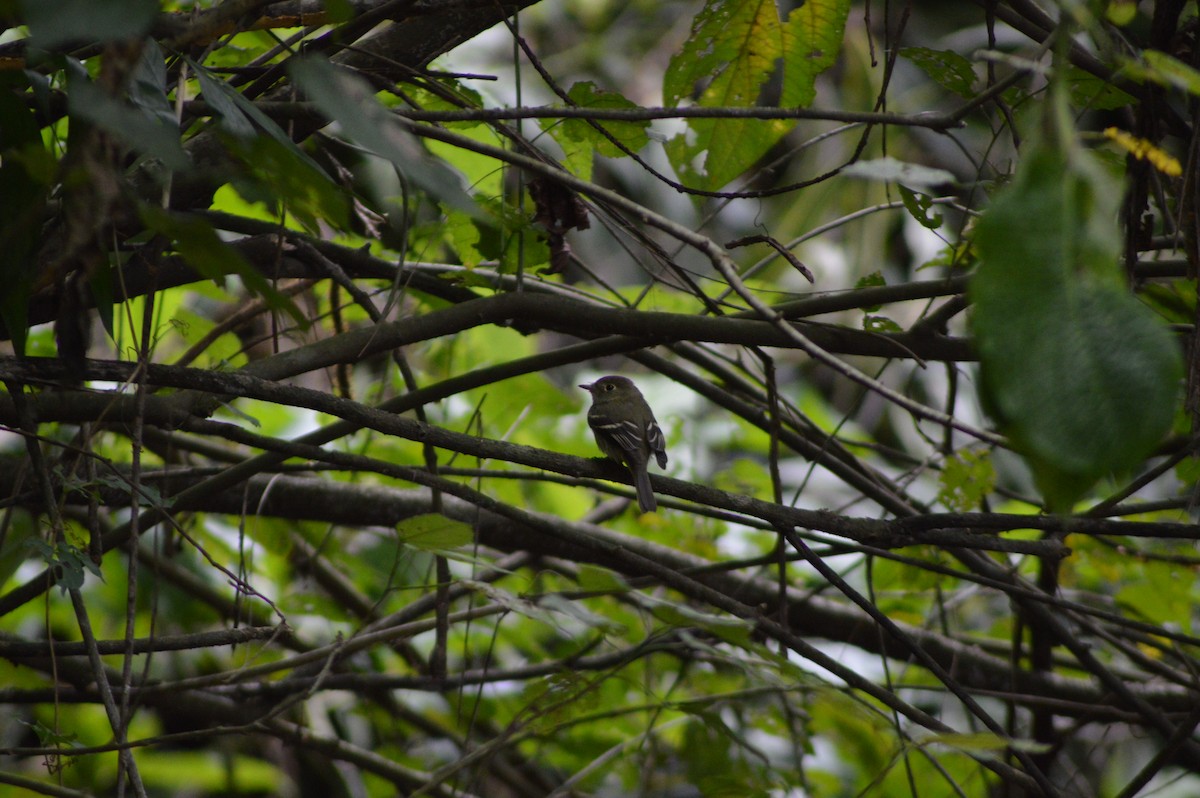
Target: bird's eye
{"x":609,"y":386}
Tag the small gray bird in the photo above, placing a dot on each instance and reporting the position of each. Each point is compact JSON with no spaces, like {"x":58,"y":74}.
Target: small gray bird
{"x":626,"y":431}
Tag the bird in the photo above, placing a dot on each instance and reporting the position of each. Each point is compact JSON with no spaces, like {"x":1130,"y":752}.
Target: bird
{"x":626,"y":431}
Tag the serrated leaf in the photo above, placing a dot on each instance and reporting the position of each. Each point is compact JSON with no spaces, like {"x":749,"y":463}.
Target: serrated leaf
{"x":1077,"y":371}
{"x":728,"y":57}
{"x":463,"y":236}
{"x":965,"y":479}
{"x":434,"y":532}
{"x":948,"y":69}
{"x":812,"y":39}
{"x":732,"y":49}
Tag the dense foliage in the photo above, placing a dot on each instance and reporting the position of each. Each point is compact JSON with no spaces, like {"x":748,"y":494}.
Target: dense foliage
{"x":299,"y":492}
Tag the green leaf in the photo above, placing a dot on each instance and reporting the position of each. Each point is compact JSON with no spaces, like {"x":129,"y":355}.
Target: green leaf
{"x":1095,"y":94}
{"x":198,"y":243}
{"x":348,"y":99}
{"x":881,"y":324}
{"x":871,"y":280}
{"x":49,"y":737}
{"x":1159,"y":592}
{"x":148,"y":86}
{"x":69,"y":563}
{"x":286,"y":180}
{"x":240,"y":117}
{"x":730,"y":54}
{"x":1077,"y":371}
{"x":100,"y":282}
{"x":946,"y":68}
{"x":811,"y":41}
{"x":462,"y":235}
{"x":237,"y":412}
{"x":434,"y":532}
{"x":339,"y":10}
{"x":1169,"y":71}
{"x":56,"y":22}
{"x":965,"y":479}
{"x":600,"y":580}
{"x":1120,"y":12}
{"x":1187,"y":470}
{"x":732,"y":48}
{"x":919,"y":207}
{"x":233,"y":111}
{"x":632,"y":134}
{"x":733,"y":630}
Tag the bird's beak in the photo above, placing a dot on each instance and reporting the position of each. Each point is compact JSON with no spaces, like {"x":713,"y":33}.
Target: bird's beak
{"x":587,"y":386}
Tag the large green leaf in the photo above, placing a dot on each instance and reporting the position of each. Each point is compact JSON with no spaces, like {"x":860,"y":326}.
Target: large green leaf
{"x":732,"y":52}
{"x":811,"y":41}
{"x":1079,"y":374}
{"x":733,"y":48}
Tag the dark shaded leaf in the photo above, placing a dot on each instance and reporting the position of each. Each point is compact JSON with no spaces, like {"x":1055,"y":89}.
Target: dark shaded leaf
{"x":1079,"y":373}
{"x":57,"y":22}
{"x":141,"y":130}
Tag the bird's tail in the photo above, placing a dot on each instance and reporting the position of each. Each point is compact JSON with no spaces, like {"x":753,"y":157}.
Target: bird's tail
{"x":641,"y":479}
